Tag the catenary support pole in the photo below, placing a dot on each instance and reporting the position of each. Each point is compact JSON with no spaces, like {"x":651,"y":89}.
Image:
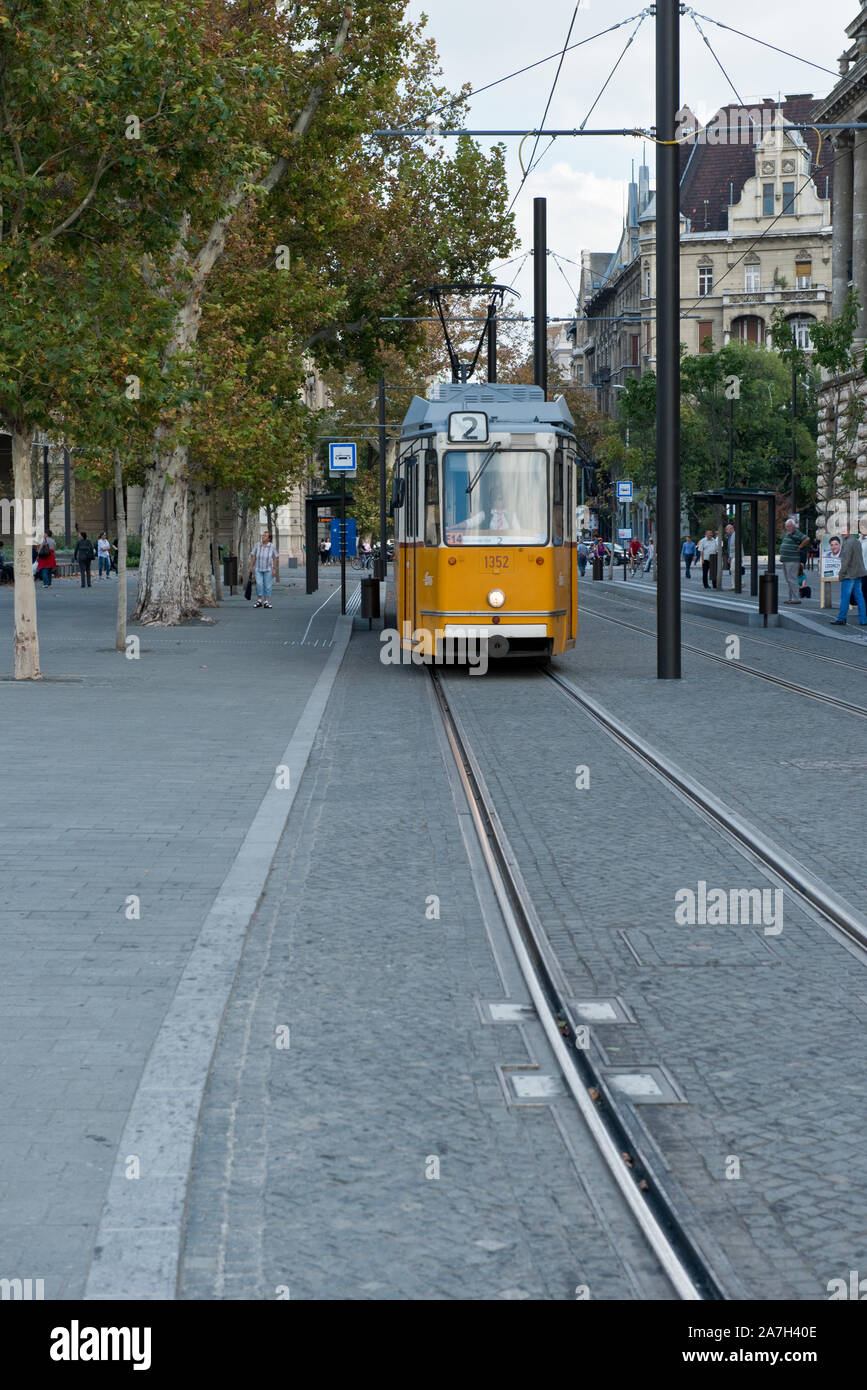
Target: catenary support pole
{"x":492,"y":341}
{"x":667,"y":340}
{"x":540,"y":293}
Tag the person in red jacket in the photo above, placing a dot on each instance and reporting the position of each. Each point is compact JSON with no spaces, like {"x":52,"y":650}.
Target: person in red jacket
{"x":46,"y":560}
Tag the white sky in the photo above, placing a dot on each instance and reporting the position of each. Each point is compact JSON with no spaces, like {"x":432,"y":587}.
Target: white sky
{"x":585,"y":179}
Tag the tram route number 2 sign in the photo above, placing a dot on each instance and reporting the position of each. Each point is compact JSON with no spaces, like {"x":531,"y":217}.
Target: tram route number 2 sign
{"x":468,"y":426}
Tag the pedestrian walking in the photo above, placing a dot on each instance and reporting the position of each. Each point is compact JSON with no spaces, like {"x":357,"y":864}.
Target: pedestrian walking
{"x":83,"y":555}
{"x":103,"y":550}
{"x":688,"y":553}
{"x":862,"y":527}
{"x":793,"y":549}
{"x":852,"y":571}
{"x":649,"y":552}
{"x":730,"y":548}
{"x":263,"y":562}
{"x":708,"y":548}
{"x":46,"y":559}
{"x":327,"y":544}
{"x":582,"y":554}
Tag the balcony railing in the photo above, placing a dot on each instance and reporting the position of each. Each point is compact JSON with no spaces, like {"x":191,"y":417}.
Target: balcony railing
{"x":776,"y":296}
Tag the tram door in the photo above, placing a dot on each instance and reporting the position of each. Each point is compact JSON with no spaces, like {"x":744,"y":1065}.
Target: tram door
{"x":562,"y":554}
{"x":411,"y":523}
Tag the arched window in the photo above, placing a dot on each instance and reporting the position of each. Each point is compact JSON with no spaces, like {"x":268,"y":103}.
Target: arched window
{"x":749,"y":328}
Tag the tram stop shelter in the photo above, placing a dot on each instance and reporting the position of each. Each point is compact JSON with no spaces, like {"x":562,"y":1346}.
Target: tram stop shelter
{"x":313,"y":504}
{"x":739,"y":497}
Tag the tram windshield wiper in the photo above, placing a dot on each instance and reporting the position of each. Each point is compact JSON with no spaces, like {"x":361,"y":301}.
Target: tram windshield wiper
{"x":483,"y":465}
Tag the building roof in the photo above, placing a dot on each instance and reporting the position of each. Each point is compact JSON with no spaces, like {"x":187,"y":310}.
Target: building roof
{"x":710,"y":173}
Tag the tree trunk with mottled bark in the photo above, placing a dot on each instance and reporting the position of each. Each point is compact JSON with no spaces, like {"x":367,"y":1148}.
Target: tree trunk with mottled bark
{"x":120,"y":506}
{"x":165,"y":595}
{"x":26,"y":640}
{"x":200,"y":539}
{"x":215,"y":538}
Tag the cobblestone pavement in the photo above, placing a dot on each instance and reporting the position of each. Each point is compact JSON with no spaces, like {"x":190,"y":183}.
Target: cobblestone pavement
{"x":783,"y":760}
{"x":124,"y":779}
{"x":761,"y":1033}
{"x":313,"y":1171}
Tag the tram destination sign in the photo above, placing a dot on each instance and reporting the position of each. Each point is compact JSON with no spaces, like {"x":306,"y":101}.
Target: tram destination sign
{"x":468,"y":427}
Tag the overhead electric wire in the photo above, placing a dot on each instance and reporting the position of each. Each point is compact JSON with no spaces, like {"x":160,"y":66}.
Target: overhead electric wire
{"x":435,"y":111}
{"x":786,"y":54}
{"x":526,"y":172}
{"x":713,"y":54}
{"x":641,"y":19}
{"x":563,"y":273}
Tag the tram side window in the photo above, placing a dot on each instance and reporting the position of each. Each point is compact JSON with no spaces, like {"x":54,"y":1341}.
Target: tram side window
{"x":570,"y":500}
{"x":411,"y":499}
{"x":557,"y":528}
{"x":431,"y":499}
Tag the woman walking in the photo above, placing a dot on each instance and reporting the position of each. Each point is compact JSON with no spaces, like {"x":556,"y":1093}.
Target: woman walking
{"x":263,"y":562}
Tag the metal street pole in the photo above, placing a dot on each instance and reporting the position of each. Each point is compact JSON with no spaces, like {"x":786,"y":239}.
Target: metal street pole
{"x":383,"y":444}
{"x":46,"y":488}
{"x":794,"y":452}
{"x":343,"y":542}
{"x":540,"y":293}
{"x":667,"y":339}
{"x":67,"y":501}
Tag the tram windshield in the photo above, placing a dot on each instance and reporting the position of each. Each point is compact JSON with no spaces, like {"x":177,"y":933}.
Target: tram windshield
{"x":507,"y":503}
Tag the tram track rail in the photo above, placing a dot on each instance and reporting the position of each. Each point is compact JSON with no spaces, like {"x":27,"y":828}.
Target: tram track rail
{"x":858,"y":710}
{"x":677,"y":1253}
{"x":640,"y":605}
{"x":811,"y":891}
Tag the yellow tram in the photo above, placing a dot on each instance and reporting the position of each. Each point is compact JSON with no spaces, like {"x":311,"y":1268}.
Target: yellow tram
{"x":483,"y":501}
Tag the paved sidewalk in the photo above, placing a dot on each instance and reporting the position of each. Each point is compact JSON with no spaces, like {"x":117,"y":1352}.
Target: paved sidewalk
{"x":128,"y":789}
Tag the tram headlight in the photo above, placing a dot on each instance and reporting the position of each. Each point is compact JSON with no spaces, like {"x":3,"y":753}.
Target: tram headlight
{"x":496,"y":598}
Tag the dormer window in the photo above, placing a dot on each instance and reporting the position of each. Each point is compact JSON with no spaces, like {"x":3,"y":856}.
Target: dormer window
{"x":789,"y":198}
{"x":767,"y":200}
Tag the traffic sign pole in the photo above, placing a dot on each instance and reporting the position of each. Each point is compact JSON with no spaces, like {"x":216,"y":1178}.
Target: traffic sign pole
{"x":343,"y":542}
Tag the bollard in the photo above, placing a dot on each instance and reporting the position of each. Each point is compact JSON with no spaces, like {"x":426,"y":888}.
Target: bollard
{"x":768,"y":594}
{"x":370,"y":599}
